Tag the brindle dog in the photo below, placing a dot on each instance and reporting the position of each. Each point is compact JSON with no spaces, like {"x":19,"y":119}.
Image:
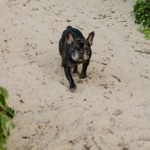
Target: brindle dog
{"x":74,"y":50}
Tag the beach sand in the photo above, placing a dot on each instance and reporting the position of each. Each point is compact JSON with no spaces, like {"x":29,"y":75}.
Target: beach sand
{"x":110,"y":109}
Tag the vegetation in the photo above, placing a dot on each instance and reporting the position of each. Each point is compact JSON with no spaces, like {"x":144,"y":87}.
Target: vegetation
{"x":6,"y":116}
{"x":142,"y":14}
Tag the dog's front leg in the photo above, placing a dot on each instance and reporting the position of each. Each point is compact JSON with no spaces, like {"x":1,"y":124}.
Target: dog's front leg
{"x":69,"y":77}
{"x":83,"y":73}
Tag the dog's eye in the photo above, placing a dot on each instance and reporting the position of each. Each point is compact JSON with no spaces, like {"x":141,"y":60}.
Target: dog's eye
{"x":75,"y":47}
{"x":86,"y":48}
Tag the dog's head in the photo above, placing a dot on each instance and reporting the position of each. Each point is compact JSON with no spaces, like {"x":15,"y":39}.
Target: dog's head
{"x":79,"y":49}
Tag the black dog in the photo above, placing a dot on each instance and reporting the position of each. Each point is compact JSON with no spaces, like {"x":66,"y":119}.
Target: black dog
{"x":75,"y":49}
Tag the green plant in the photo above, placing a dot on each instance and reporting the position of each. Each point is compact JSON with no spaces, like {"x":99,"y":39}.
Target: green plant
{"x":6,"y":116}
{"x":142,"y":14}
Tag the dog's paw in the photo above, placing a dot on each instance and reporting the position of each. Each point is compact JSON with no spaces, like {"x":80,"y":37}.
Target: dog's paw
{"x":73,"y":87}
{"x":83,"y":75}
{"x":75,"y":74}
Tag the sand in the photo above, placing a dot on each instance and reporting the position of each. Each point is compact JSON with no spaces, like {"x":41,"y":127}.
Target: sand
{"x":110,"y":110}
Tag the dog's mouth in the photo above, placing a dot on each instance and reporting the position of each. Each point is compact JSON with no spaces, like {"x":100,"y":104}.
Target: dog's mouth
{"x":80,"y":57}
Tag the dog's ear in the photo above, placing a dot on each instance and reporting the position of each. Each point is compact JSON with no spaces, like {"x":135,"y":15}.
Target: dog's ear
{"x":91,"y":37}
{"x":70,"y":37}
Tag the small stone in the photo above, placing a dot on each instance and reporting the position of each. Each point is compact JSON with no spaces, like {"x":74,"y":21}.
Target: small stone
{"x":117,"y":112}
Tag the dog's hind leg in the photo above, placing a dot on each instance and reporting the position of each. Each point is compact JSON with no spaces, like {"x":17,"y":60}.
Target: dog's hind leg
{"x":75,"y":70}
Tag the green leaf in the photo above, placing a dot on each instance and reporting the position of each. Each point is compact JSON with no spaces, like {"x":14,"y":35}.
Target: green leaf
{"x":2,"y":141}
{"x":143,"y":28}
{"x":10,"y":111}
{"x":5,"y":148}
{"x":2,"y":100}
{"x":4,"y":120}
{"x":139,"y":28}
{"x":145,"y":23}
{"x":148,"y":37}
{"x":148,"y":20}
{"x":4,"y":92}
{"x":137,"y":21}
{"x":11,"y":124}
{"x":137,"y":2}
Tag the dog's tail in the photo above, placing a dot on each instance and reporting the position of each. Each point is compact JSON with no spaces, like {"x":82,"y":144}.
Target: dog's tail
{"x":69,"y":27}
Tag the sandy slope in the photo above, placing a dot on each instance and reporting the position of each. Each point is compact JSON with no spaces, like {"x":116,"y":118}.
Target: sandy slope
{"x":109,"y":111}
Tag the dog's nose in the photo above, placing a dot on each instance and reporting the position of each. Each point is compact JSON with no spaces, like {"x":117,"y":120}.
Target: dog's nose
{"x":81,"y":52}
